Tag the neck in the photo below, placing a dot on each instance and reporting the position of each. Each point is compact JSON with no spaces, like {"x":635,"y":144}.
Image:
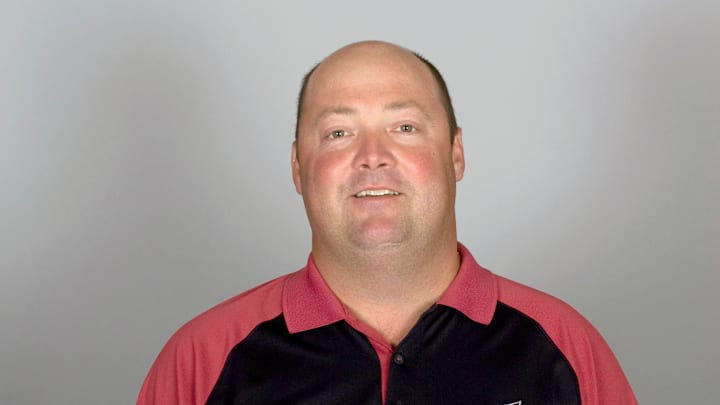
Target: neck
{"x":389,"y":289}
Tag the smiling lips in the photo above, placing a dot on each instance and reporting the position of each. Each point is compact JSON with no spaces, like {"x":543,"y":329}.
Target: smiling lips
{"x":376,"y":193}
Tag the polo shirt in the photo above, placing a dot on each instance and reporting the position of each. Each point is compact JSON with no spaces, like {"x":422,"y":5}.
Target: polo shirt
{"x":487,"y":340}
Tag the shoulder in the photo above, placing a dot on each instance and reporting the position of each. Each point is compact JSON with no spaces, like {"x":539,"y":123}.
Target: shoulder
{"x":552,"y":313}
{"x":570,"y":331}
{"x":190,"y":362}
{"x":236,"y":316}
{"x":600,"y":376}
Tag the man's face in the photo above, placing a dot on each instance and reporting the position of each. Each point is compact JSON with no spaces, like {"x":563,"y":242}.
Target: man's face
{"x":373,"y":160}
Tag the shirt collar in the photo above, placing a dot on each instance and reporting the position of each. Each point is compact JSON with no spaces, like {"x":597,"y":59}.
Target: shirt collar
{"x":309,"y":303}
{"x":473,"y":291}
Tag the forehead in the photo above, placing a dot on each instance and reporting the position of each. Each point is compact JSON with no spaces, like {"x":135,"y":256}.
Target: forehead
{"x":370,"y":73}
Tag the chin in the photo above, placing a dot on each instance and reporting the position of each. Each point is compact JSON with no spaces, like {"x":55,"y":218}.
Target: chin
{"x":378,"y":240}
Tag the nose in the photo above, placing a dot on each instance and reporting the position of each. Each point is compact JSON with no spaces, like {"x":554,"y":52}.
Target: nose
{"x":374,"y":151}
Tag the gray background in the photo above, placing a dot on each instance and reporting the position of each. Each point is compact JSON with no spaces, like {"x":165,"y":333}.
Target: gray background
{"x":144,"y":171}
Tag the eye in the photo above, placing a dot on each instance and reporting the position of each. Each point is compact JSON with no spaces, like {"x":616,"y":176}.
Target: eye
{"x":338,"y":133}
{"x":406,"y":128}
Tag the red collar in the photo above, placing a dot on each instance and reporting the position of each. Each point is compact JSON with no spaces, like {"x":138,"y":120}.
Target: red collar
{"x":474,"y":290}
{"x":309,"y":303}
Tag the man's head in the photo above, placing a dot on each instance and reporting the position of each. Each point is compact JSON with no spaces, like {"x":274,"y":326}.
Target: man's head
{"x":372,"y":158}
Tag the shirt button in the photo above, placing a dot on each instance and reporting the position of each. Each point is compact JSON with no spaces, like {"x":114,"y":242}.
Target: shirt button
{"x":398,"y":359}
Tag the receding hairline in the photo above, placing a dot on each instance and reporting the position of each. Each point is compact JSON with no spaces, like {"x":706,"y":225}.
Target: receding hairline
{"x":437,"y":76}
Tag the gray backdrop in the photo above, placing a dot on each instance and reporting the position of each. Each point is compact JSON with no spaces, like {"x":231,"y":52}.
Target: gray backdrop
{"x":144,"y":171}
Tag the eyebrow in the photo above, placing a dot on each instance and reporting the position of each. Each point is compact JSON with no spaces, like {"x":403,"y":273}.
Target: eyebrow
{"x":335,"y":110}
{"x":406,"y":105}
{"x":391,"y":106}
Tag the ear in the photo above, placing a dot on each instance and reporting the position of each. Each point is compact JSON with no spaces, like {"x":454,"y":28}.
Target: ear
{"x":295,"y":166}
{"x":458,"y":155}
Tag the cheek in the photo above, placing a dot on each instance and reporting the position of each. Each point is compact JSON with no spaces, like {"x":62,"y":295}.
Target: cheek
{"x":324,"y":172}
{"x":427,"y":166}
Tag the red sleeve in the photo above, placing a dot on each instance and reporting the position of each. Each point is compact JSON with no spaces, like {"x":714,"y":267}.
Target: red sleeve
{"x":599,"y":374}
{"x":189,"y":365}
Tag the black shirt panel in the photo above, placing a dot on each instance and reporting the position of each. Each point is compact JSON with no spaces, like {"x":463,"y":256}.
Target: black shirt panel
{"x":450,"y":359}
{"x":333,"y":364}
{"x":446,"y":359}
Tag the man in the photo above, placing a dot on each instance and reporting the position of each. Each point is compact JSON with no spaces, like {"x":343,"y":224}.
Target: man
{"x":390,"y":307}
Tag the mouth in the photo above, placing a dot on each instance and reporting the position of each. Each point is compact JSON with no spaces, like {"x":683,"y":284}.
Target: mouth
{"x":376,"y":193}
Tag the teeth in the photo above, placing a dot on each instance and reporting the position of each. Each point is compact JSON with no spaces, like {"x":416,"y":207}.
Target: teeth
{"x":376,"y":193}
